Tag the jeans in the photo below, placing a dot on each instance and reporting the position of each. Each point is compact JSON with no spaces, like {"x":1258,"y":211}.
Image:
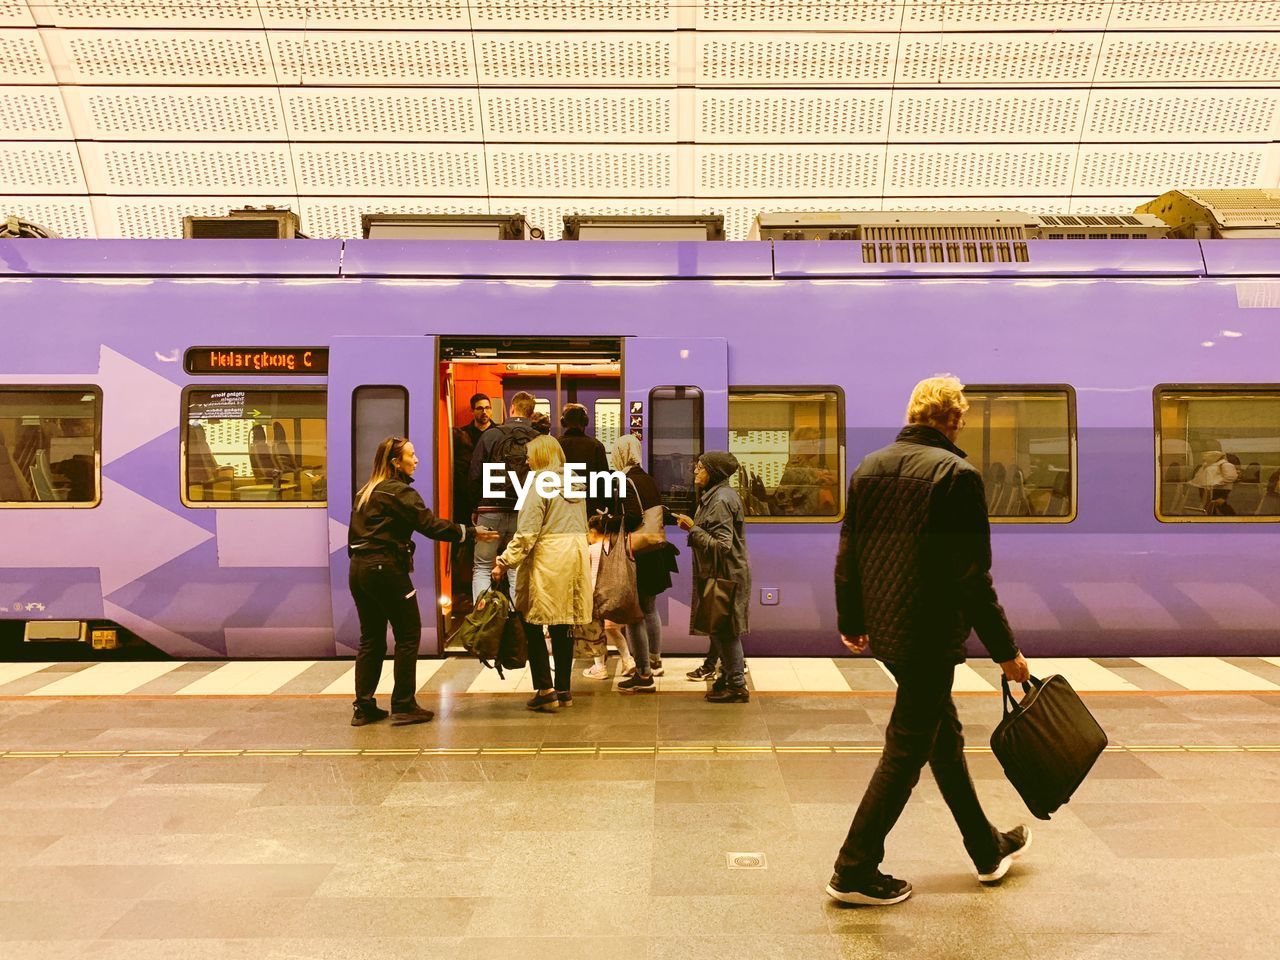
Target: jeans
{"x":645,"y":637}
{"x":385,"y":594}
{"x":539,"y":666}
{"x":504,"y":522}
{"x":726,"y":647}
{"x":923,"y":728}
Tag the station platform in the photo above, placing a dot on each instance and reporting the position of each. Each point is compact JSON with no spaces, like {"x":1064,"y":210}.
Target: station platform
{"x":194,"y":814}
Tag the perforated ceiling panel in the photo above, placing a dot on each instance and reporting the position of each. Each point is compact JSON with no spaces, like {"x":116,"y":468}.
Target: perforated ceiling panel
{"x":118,"y":116}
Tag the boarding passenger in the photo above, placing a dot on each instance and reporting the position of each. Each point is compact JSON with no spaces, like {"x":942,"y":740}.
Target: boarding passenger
{"x":386,"y":513}
{"x":653,"y":566}
{"x":554,"y":588}
{"x":542,"y":423}
{"x":504,"y":448}
{"x":912,"y":579}
{"x":718,"y":538}
{"x":580,"y":448}
{"x":465,"y":439}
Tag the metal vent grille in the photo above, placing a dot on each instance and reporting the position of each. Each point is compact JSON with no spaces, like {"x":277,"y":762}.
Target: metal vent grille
{"x":340,"y":218}
{"x":151,"y":13}
{"x":746,"y":59}
{"x":390,"y":170}
{"x":67,"y":217}
{"x":33,"y":113}
{"x":763,"y":171}
{"x":372,"y":59}
{"x":15,"y":13}
{"x":176,"y":113}
{"x":1155,"y":169}
{"x":573,"y":14}
{"x":40,"y":168}
{"x":168,"y":170}
{"x":1189,"y":58}
{"x":22,"y":58}
{"x":142,"y":56}
{"x":737,"y":14}
{"x":1018,"y":59}
{"x":739,"y":215}
{"x":786,"y":117}
{"x":365,"y":15}
{"x":980,"y":171}
{"x":746,"y":861}
{"x":1182,"y":14}
{"x":647,"y":60}
{"x":1006,"y":14}
{"x":1158,"y":115}
{"x":987,"y":117}
{"x":638,"y":115}
{"x":382,"y":115}
{"x":595,"y":172}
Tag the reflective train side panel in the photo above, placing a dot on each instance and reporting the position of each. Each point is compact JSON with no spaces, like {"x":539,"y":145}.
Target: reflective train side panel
{"x":1113,"y":320}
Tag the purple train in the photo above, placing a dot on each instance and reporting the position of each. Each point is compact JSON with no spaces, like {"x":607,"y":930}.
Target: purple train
{"x":182,"y":423}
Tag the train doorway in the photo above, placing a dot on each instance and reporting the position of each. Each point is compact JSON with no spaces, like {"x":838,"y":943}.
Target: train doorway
{"x":558,"y":371}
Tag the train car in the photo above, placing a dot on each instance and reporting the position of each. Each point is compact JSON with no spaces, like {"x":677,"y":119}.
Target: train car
{"x":182,"y":423}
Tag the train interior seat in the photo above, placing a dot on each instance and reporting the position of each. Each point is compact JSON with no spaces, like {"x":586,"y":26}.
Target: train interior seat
{"x":13,"y":485}
{"x":47,"y":488}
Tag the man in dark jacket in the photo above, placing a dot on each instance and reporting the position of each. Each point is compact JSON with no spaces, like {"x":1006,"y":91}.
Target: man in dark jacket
{"x":913,"y":577}
{"x":502,"y":446}
{"x":465,"y":440}
{"x":580,"y":448}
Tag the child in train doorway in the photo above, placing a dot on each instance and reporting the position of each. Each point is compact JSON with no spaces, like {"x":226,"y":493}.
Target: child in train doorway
{"x":593,"y":639}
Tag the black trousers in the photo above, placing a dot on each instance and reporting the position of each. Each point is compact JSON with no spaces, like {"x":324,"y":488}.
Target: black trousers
{"x":923,"y":728}
{"x":384,"y":594}
{"x":540,"y":666}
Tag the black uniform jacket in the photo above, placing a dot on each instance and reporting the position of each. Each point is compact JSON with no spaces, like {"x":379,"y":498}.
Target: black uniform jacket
{"x":382,"y":530}
{"x":914,"y":567}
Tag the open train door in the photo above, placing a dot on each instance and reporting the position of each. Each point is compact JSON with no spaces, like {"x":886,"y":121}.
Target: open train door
{"x":676,"y":400}
{"x":378,"y":387}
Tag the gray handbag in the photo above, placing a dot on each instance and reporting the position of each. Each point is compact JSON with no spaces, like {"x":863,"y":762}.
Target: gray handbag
{"x":616,"y":596}
{"x":652,"y":532}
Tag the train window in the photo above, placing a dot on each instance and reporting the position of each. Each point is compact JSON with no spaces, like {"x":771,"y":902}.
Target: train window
{"x":50,"y":446}
{"x":675,"y":440}
{"x":607,"y":416}
{"x":249,"y":446}
{"x":377,"y":412}
{"x":789,"y":443}
{"x":1023,"y":439}
{"x":1218,"y":453}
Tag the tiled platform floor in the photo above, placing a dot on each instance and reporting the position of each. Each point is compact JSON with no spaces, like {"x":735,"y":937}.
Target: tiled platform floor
{"x":517,"y":847}
{"x":466,"y":675}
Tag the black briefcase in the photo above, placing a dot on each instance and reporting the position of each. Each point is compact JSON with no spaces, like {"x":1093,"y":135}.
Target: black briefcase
{"x":1047,"y":743}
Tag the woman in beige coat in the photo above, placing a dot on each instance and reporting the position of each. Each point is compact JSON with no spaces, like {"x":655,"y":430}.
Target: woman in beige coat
{"x":554,"y":586}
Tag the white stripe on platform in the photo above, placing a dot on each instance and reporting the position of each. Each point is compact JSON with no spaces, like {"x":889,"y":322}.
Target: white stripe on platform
{"x":107,"y":679}
{"x":967,"y":679}
{"x":773,"y":674}
{"x":1081,"y":672}
{"x":673,"y":675}
{"x":246,"y":678}
{"x":1274,"y":661}
{"x":821,"y":676}
{"x":517,"y":681}
{"x":16,"y":671}
{"x":1205,"y":673}
{"x":347,"y":682}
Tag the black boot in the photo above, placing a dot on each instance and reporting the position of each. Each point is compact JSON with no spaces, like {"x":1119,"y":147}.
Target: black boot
{"x":729,"y":695}
{"x":366,"y":715}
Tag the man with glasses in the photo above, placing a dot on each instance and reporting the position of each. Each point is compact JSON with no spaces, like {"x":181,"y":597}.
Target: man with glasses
{"x":465,"y":441}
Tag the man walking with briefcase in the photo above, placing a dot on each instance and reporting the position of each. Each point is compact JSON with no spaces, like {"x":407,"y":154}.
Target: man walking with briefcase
{"x":912,"y":579}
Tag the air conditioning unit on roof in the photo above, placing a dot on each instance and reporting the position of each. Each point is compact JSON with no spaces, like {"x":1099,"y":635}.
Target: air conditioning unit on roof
{"x":643,"y":227}
{"x":447,"y":226}
{"x":1218,"y":214}
{"x":247,"y":224}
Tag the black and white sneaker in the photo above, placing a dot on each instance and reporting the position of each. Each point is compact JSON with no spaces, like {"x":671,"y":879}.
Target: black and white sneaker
{"x":702,"y":673}
{"x":637,"y":684}
{"x":1012,"y":846}
{"x":880,"y":890}
{"x":655,"y":667}
{"x":366,"y":716}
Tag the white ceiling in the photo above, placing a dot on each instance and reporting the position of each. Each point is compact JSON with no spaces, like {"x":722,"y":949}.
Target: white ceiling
{"x":117,"y":117}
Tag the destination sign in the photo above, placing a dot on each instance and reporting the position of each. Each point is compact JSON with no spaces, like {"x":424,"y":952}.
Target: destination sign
{"x":302,"y":361}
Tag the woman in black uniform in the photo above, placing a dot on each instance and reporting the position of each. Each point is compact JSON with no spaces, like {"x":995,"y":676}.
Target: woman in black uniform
{"x":386,"y":513}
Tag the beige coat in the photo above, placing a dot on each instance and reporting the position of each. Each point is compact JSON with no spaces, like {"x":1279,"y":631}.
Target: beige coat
{"x":550,"y":548}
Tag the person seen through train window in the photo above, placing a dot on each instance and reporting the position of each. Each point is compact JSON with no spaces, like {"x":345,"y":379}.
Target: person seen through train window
{"x":1215,"y":478}
{"x":717,"y":535}
{"x":912,"y":579}
{"x":653,"y":567}
{"x":386,"y":514}
{"x":554,"y":588}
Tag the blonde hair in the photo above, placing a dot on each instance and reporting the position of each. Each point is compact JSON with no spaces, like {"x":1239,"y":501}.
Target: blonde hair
{"x":545,"y":453}
{"x":389,"y":450}
{"x":933,"y":401}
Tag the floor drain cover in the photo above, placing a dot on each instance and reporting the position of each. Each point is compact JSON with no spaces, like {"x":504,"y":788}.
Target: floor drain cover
{"x":746,"y":861}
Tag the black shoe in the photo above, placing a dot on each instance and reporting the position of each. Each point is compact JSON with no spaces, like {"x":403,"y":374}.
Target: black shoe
{"x":638,"y":684}
{"x":1012,"y":845}
{"x":367,"y":715}
{"x":414,"y":714}
{"x":702,"y":673}
{"x":547,"y":703}
{"x":729,"y":694}
{"x":566,"y":699}
{"x":720,"y":685}
{"x":655,"y":667}
{"x":880,"y":890}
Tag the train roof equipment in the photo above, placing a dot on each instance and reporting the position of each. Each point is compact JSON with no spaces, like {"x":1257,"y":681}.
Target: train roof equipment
{"x":643,"y":227}
{"x":447,"y":226}
{"x":1218,"y":214}
{"x":249,"y":223}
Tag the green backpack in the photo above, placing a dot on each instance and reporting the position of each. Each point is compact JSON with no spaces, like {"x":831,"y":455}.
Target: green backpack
{"x":483,"y":630}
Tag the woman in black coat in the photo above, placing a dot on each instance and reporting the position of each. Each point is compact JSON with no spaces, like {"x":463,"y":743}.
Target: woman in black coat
{"x":386,"y":514}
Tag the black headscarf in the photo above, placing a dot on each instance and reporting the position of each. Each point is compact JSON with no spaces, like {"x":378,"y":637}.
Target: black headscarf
{"x":719,"y":466}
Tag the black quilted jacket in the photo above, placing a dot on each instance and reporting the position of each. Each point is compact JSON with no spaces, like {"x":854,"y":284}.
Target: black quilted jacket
{"x":914,"y":567}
